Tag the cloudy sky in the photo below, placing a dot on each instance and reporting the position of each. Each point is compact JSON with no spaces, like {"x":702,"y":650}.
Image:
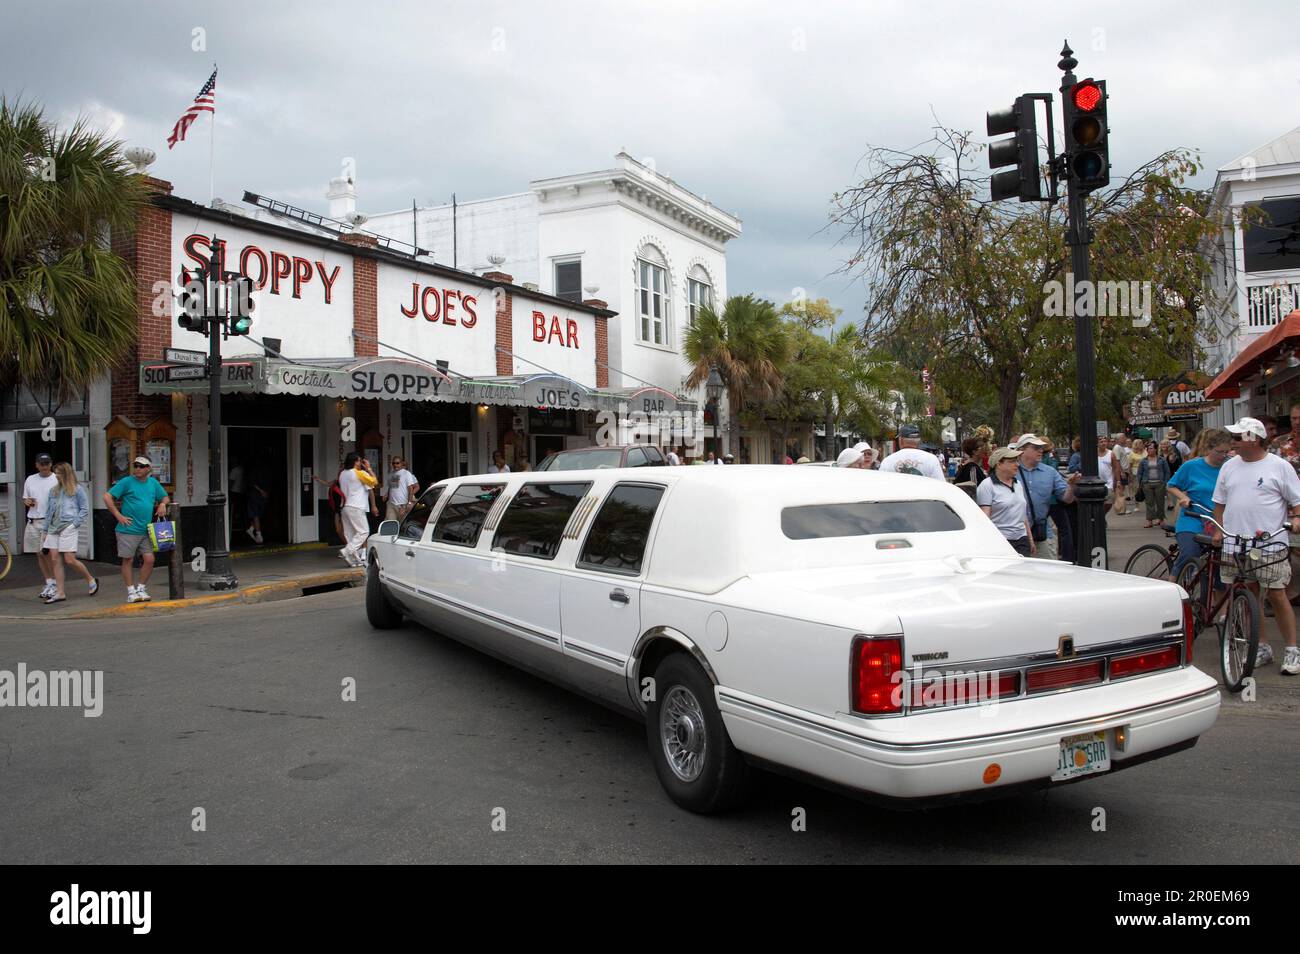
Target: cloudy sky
{"x":764,"y":107}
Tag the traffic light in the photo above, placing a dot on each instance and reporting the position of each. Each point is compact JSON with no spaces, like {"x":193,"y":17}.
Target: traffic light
{"x":1020,"y":150}
{"x":192,"y":305}
{"x":241,"y":305}
{"x":1086,"y":141}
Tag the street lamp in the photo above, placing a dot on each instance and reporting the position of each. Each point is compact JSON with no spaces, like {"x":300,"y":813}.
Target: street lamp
{"x":713,"y":391}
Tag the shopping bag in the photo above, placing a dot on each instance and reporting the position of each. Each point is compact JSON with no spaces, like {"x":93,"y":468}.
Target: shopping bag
{"x":162,"y":536}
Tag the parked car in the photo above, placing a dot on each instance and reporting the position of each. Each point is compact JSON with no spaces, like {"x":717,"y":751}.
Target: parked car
{"x":600,"y":458}
{"x":875,"y":632}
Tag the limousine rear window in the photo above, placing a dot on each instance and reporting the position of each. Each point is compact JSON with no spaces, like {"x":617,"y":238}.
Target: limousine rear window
{"x":535,"y":519}
{"x":462,"y":518}
{"x":819,"y":521}
{"x":618,"y":535}
{"x":594,"y":459}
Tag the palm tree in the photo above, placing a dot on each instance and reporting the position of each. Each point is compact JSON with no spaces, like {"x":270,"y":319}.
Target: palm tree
{"x":67,"y":303}
{"x":746,"y":343}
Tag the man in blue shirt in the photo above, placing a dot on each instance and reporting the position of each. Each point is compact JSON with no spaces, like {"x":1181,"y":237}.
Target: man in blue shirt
{"x":134,"y":502}
{"x":1044,"y":484}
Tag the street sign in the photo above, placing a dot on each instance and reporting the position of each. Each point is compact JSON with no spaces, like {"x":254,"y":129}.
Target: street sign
{"x":181,"y":356}
{"x":186,"y":373}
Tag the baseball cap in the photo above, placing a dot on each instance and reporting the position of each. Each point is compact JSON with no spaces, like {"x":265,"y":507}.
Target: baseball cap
{"x":1029,"y":439}
{"x":1249,"y":425}
{"x":43,"y":458}
{"x":1001,"y":454}
{"x":909,"y":430}
{"x":143,"y":460}
{"x":848,"y":457}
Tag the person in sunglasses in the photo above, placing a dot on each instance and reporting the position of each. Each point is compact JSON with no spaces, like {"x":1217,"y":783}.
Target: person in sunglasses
{"x":134,"y":502}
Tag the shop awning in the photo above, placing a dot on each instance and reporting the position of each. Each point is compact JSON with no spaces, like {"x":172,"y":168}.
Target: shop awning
{"x":1257,"y":356}
{"x":406,"y":379}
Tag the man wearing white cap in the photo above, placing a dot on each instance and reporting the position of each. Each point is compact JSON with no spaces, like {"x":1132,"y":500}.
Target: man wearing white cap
{"x":1041,"y":483}
{"x":1259,"y":493}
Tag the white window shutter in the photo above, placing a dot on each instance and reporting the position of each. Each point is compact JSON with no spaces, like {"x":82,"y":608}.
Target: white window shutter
{"x":81,"y":454}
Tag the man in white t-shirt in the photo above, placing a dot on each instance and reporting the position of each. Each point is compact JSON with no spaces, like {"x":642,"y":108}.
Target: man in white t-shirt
{"x":909,"y":458}
{"x":1258,"y":493}
{"x":402,"y":486}
{"x":36,"y":490}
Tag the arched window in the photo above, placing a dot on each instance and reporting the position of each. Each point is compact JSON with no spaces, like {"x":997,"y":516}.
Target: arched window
{"x":652,"y":296}
{"x":699,"y":293}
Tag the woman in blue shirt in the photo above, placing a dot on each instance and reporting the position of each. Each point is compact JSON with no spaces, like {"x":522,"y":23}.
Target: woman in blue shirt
{"x":1192,"y":487}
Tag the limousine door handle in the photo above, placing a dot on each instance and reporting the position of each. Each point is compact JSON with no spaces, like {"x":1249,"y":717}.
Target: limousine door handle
{"x":618,"y":596}
{"x":410,"y":553}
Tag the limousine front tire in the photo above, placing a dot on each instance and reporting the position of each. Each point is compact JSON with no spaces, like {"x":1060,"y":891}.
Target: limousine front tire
{"x":379,"y":611}
{"x":693,"y":756}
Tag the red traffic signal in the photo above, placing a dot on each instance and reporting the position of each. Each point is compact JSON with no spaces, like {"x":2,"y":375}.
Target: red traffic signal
{"x":1086,"y":95}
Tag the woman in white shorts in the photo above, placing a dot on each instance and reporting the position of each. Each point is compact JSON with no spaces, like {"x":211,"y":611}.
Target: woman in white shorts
{"x":66,"y":511}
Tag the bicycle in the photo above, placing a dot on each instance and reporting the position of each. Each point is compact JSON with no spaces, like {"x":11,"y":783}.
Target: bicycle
{"x":1258,"y":559}
{"x":6,"y":555}
{"x":1153,"y":560}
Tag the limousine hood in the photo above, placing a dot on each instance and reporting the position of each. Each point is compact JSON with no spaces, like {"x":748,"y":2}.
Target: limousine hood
{"x":974,"y":608}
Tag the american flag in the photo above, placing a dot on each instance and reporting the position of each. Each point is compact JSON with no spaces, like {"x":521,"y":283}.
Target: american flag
{"x":205,"y":102}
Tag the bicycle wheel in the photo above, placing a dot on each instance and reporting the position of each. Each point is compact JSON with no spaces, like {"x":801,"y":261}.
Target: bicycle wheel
{"x":1150,"y":559}
{"x":1240,"y":639}
{"x":1187,"y":579}
{"x":6,"y":560}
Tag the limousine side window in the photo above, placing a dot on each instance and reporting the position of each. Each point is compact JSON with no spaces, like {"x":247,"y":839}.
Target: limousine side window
{"x":462,"y":518}
{"x":413,"y":526}
{"x":618,"y":535}
{"x":536,"y":517}
{"x":863,"y":518}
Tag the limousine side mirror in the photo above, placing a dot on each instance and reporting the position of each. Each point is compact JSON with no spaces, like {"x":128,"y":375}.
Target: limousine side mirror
{"x":388,"y":528}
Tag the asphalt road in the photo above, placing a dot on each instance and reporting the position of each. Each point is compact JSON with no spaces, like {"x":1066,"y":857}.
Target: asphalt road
{"x":239,"y":711}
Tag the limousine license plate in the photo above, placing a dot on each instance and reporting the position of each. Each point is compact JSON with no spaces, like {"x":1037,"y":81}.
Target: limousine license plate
{"x":1082,"y":755}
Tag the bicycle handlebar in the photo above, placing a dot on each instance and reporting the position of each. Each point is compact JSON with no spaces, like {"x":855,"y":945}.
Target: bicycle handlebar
{"x":1206,"y":515}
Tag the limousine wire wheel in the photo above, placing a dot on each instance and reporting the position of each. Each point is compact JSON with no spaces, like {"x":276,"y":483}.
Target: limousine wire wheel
{"x":693,"y":756}
{"x":380,"y":613}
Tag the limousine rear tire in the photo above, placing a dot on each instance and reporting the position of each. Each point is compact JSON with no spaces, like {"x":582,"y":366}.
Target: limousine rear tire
{"x":693,"y":756}
{"x":380,"y":612}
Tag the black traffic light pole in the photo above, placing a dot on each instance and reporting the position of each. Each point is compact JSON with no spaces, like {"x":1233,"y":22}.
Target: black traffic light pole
{"x":217,"y":574}
{"x":1089,"y":490}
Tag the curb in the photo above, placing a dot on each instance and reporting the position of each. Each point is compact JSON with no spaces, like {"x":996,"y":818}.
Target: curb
{"x":261,"y":593}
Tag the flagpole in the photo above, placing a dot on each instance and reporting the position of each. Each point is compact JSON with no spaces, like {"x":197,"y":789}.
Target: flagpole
{"x":212,"y":145}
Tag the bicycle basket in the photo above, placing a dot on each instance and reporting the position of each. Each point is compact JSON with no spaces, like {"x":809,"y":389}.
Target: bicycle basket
{"x":1263,"y":561}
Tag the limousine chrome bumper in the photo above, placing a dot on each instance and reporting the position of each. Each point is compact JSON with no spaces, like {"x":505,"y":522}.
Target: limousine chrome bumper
{"x":917,"y":761}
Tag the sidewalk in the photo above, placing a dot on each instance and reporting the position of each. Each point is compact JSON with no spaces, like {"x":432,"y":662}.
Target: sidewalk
{"x":1124,"y":534}
{"x":273,"y":574}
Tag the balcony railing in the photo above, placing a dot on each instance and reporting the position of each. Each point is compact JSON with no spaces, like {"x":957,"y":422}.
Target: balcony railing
{"x":1267,"y":303}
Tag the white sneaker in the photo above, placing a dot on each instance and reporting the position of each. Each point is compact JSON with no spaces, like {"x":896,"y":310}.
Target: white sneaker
{"x":344,"y":555}
{"x":257,"y":536}
{"x":132,"y":596}
{"x":1263,"y":655}
{"x":142,"y":594}
{"x":47,"y":591}
{"x":1291,"y":661}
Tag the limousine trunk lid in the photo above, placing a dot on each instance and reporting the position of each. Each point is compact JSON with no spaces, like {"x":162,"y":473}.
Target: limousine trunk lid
{"x":982,"y":608}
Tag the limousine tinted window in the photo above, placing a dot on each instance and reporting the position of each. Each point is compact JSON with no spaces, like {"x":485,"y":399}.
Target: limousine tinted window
{"x":413,"y":526}
{"x":536,"y":518}
{"x":462,"y":518}
{"x":818,"y":521}
{"x":618,"y":535}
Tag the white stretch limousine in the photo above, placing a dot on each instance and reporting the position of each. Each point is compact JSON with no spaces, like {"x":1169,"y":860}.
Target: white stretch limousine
{"x":869,"y":630}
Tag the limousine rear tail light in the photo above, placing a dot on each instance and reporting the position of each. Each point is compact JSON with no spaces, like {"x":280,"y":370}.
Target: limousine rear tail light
{"x":1189,"y":631}
{"x":876,"y":689}
{"x":1063,"y":677}
{"x":1139,"y":663}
